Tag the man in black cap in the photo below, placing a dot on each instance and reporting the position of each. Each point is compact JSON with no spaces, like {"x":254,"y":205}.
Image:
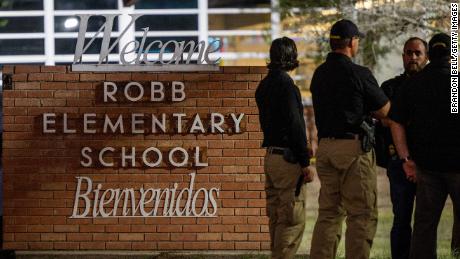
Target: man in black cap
{"x":402,"y":190}
{"x":426,"y":136}
{"x":344,"y":95}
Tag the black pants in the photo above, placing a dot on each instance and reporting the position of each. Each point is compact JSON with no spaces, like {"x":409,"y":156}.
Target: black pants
{"x":402,"y":193}
{"x":432,"y":190}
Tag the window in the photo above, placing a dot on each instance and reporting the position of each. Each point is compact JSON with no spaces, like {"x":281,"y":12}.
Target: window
{"x":168,"y":22}
{"x":238,"y":21}
{"x":22,"y":47}
{"x":67,"y":46}
{"x":170,"y":47}
{"x":64,"y":24}
{"x":170,"y":4}
{"x":85,"y":4}
{"x":244,"y":33}
{"x":21,"y":5}
{"x":244,"y":44}
{"x":238,"y":3}
{"x":21,"y":24}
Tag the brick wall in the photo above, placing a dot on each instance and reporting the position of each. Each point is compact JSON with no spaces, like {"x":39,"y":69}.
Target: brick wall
{"x":40,"y":169}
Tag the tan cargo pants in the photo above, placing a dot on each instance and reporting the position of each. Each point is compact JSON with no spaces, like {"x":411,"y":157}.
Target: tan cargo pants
{"x":286,"y":212}
{"x":348,"y":189}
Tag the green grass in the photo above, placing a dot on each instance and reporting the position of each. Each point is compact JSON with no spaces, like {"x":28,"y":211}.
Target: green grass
{"x":381,"y":246}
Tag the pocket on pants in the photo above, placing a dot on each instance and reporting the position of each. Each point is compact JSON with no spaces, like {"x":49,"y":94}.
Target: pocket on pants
{"x":298,"y":213}
{"x":291,"y":210}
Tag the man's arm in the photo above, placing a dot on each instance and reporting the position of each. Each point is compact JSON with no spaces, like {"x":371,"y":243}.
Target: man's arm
{"x":297,"y":136}
{"x":399,"y":139}
{"x":374,"y":97}
{"x":383,"y":111}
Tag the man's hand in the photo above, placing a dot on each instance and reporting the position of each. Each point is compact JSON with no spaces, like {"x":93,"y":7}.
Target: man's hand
{"x":410,"y":168}
{"x":308,"y":173}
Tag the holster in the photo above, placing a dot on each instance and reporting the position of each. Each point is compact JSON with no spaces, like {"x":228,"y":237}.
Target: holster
{"x":367,"y":136}
{"x":299,"y":185}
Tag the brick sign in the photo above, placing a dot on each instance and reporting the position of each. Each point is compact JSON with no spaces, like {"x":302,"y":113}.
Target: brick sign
{"x":136,"y":161}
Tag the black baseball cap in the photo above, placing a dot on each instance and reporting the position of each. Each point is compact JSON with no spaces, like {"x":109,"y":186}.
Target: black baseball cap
{"x":439,"y":40}
{"x":345,"y":29}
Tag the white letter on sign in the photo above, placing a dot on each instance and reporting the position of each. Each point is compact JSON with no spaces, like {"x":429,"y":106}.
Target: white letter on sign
{"x":157,"y":87}
{"x":83,"y":196}
{"x":47,"y":120}
{"x":110,"y":93}
{"x":178,"y":88}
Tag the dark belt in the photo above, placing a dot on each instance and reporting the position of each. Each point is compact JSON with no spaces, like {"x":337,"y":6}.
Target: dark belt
{"x":275,"y":150}
{"x":343,"y":136}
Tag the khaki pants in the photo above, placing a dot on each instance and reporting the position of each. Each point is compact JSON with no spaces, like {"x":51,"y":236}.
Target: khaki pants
{"x":348,"y":189}
{"x":286,"y":212}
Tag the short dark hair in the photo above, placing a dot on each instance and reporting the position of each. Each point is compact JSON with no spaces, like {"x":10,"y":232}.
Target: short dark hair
{"x":339,"y":43}
{"x":425,"y":44}
{"x":439,"y":47}
{"x":283,"y":54}
{"x":438,"y":53}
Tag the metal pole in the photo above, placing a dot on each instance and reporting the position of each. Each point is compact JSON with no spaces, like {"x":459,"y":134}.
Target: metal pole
{"x":49,"y":32}
{"x":203,"y":21}
{"x":275,"y":19}
{"x":123,"y":20}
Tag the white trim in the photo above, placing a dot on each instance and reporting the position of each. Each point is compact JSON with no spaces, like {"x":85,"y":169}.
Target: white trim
{"x":140,"y":11}
{"x":49,"y":31}
{"x":22,"y":59}
{"x":118,"y":11}
{"x":74,"y":35}
{"x":141,"y":68}
{"x":238,"y":10}
{"x":123,"y":22}
{"x":94,"y":12}
{"x":68,"y":58}
{"x":167,"y":11}
{"x":275,"y":19}
{"x":236,"y":33}
{"x":203,"y":21}
{"x":14,"y":36}
{"x":154,"y":56}
{"x":239,"y":55}
{"x":21,"y":13}
{"x":168,"y":33}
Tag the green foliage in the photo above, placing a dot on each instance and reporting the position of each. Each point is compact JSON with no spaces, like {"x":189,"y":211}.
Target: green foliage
{"x":382,"y":21}
{"x":3,"y":22}
{"x":6,"y":4}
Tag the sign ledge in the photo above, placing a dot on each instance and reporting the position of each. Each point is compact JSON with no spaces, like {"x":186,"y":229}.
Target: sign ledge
{"x":143,"y":68}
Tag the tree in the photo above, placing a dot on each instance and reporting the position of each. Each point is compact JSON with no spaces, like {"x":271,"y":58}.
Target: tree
{"x":383,"y":22}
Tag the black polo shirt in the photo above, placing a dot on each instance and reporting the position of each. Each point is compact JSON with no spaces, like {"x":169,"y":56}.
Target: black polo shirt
{"x":343,"y":94}
{"x":423,"y":108}
{"x":281,"y":114}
